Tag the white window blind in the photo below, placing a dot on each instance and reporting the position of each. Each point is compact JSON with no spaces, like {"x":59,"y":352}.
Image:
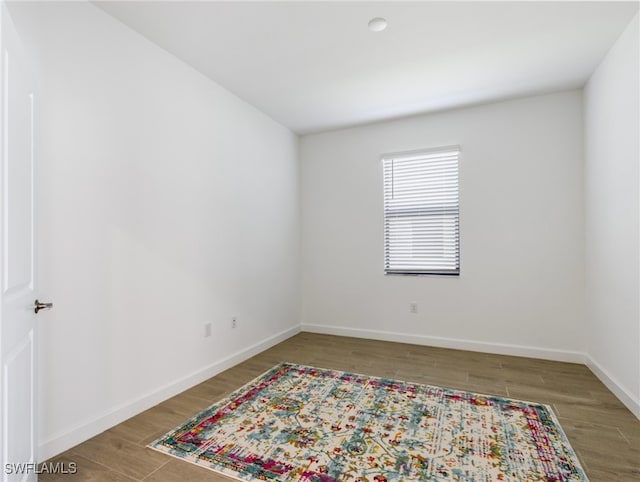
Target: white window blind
{"x":421,"y":212}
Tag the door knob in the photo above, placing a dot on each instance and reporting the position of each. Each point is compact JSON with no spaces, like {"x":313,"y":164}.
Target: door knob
{"x":37,"y":306}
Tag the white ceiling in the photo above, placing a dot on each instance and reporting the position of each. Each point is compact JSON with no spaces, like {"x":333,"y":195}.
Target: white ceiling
{"x":315,"y":66}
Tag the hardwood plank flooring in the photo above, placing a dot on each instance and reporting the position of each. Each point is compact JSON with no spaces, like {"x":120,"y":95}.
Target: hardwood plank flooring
{"x":604,"y":434}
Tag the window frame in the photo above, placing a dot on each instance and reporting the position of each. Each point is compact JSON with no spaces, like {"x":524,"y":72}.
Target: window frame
{"x":415,"y":155}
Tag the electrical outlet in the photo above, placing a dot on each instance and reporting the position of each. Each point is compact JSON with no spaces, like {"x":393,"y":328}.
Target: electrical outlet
{"x":207,"y":330}
{"x":413,"y":307}
{"x":234,"y":322}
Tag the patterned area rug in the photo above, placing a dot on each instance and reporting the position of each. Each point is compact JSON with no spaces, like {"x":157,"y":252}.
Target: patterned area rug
{"x":298,"y":423}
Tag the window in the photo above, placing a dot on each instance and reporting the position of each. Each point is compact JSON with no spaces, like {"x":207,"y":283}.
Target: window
{"x":421,"y":212}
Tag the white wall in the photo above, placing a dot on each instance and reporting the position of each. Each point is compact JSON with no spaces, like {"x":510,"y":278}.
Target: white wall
{"x":164,"y":203}
{"x":521,"y":288}
{"x":612,"y":216}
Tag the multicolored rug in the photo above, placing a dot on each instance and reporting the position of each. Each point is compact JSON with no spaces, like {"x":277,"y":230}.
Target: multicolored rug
{"x":298,"y":423}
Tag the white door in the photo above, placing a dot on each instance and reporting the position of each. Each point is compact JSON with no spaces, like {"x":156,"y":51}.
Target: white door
{"x":17,"y":258}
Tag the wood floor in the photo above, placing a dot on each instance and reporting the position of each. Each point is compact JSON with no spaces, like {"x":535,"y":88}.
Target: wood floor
{"x":605,"y":435}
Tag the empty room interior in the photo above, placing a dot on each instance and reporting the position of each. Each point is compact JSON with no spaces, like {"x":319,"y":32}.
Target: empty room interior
{"x":222,"y":199}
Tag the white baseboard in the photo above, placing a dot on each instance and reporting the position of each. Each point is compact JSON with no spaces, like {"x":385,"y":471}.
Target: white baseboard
{"x":455,"y":343}
{"x":89,"y":428}
{"x":631,"y":402}
{"x":627,"y":398}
